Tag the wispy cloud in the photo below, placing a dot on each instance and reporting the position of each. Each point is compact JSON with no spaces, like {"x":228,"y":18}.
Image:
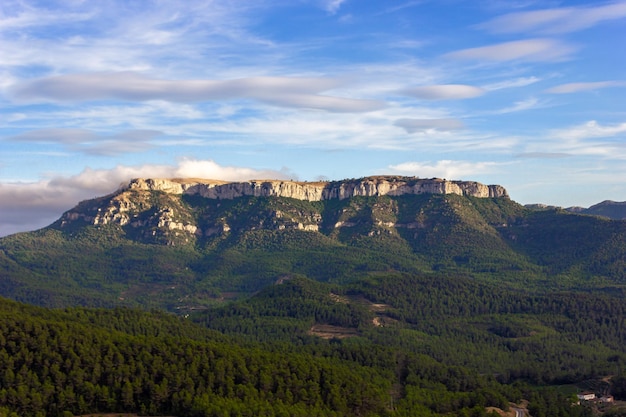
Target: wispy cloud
{"x":121,"y":36}
{"x":556,"y":20}
{"x":522,"y":105}
{"x":443,"y":92}
{"x":590,"y":86}
{"x":425,"y":125}
{"x":89,"y":142}
{"x":18,"y":15}
{"x":543,"y":155}
{"x":512,"y":83}
{"x":444,"y":169}
{"x":279,"y":91}
{"x":589,"y":130}
{"x":333,"y":6}
{"x":403,"y":6}
{"x":540,"y":49}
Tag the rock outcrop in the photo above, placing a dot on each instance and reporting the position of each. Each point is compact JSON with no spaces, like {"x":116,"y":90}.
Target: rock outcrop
{"x":165,"y":217}
{"x":318,"y":191}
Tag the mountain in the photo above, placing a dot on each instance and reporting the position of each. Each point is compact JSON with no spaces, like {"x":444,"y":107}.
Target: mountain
{"x":131,"y":204}
{"x":611,"y":209}
{"x":389,"y":296}
{"x":188,"y":244}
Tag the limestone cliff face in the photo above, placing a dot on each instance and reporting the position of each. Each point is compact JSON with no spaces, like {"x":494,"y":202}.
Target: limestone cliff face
{"x":166,"y":217}
{"x":318,"y":191}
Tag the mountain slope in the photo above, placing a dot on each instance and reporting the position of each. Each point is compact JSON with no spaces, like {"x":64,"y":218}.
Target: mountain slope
{"x":611,"y":209}
{"x":149,"y":246}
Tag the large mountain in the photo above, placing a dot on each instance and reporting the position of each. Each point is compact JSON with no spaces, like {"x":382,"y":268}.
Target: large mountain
{"x":378,"y":296}
{"x":185,"y":244}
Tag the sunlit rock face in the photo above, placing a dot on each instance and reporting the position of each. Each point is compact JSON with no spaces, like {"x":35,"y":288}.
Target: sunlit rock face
{"x":164,"y":217}
{"x":317,"y":191}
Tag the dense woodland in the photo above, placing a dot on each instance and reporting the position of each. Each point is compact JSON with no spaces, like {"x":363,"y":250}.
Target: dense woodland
{"x":80,"y":360}
{"x":448,"y":346}
{"x":468,"y":304}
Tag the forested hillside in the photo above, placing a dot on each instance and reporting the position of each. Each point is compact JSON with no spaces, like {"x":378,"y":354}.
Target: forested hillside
{"x":256,"y":241}
{"x":405,"y":305}
{"x":57,"y":362}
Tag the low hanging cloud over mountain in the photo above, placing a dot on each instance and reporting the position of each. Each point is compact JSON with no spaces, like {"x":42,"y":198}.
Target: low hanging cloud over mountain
{"x":443,"y":169}
{"x":278,"y":91}
{"x":29,"y":206}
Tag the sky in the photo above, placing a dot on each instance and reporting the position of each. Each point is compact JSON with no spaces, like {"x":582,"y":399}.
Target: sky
{"x":527,"y":94}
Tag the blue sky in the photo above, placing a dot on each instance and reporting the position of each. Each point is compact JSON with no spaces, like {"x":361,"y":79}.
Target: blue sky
{"x":526,"y":94}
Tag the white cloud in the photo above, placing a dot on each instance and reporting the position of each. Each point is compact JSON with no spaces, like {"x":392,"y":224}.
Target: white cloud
{"x":443,"y":92}
{"x":254,"y":125}
{"x":425,"y":125}
{"x":89,"y":142}
{"x":454,"y":170}
{"x":192,"y":168}
{"x":28,"y":206}
{"x":543,"y":155}
{"x":403,"y":6}
{"x":512,"y":83}
{"x":320,"y":130}
{"x":558,"y":20}
{"x":590,"y":86}
{"x":529,"y":103}
{"x":279,"y":91}
{"x":589,"y":130}
{"x":31,"y":17}
{"x":166,"y":37}
{"x":333,"y":6}
{"x":524,"y":50}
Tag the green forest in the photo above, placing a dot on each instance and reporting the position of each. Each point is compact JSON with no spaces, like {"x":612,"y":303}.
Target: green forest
{"x":448,"y":347}
{"x":424,"y":305}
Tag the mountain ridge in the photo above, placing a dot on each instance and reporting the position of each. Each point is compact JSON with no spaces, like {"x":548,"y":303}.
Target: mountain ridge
{"x":126,"y":205}
{"x":441,"y":298}
{"x":317,"y":191}
{"x":149,"y":245}
{"x":610,"y":209}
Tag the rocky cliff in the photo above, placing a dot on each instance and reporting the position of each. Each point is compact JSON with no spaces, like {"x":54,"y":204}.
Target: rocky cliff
{"x":318,"y":191}
{"x":165,"y":216}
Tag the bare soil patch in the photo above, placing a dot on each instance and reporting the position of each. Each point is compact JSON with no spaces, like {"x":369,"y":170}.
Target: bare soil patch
{"x":326,"y":331}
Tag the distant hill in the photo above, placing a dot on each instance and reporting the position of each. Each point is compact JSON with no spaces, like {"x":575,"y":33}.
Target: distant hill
{"x":611,"y":209}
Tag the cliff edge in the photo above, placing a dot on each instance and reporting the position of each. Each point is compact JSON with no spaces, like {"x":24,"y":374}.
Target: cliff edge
{"x":318,"y":191}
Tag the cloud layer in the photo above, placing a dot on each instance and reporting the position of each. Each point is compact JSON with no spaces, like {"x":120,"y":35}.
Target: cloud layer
{"x":444,"y":169}
{"x":278,"y":91}
{"x":590,"y":86}
{"x":561,"y":20}
{"x":538,"y":49}
{"x":444,"y":92}
{"x":423,"y":125}
{"x":29,"y":206}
